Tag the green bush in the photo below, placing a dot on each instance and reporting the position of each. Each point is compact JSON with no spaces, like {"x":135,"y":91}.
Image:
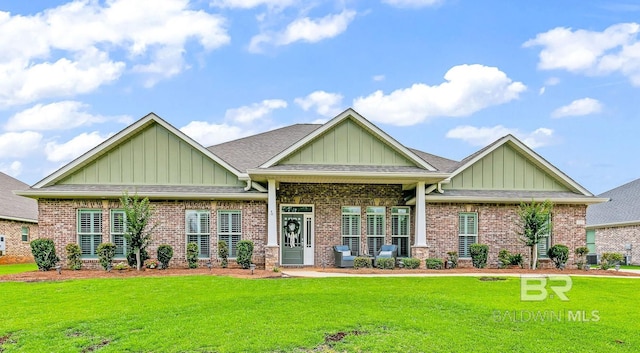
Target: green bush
{"x":106,"y":252}
{"x":131,"y":257}
{"x":610,"y":259}
{"x":245,"y":252}
{"x":165,"y":253}
{"x":44,"y":252}
{"x":433,"y":264}
{"x":192,"y":255}
{"x":411,"y":263}
{"x":223,"y":253}
{"x":581,"y":253}
{"x":479,"y":253}
{"x":508,"y":259}
{"x":74,"y":254}
{"x":386,"y":263}
{"x":559,"y":254}
{"x":453,"y":257}
{"x":121,"y":266}
{"x":361,"y":262}
{"x":517,"y":259}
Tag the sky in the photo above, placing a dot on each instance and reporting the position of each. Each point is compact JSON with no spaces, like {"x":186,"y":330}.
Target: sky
{"x":446,"y":77}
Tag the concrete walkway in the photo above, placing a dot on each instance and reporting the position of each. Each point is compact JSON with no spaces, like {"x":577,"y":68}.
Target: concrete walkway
{"x":325,"y":274}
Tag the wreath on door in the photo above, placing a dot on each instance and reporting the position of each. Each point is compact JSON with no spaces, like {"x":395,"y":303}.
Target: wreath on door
{"x":292,"y":229}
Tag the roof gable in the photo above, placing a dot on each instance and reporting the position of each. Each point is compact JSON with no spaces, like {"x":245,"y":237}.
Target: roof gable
{"x":621,"y":209}
{"x":508,"y":164}
{"x":348,"y":139}
{"x":148,"y":152}
{"x":12,"y":206}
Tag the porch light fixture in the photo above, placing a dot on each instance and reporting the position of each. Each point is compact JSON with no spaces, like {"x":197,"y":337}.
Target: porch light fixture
{"x":59,"y":269}
{"x":252,"y":267}
{"x":449,"y":264}
{"x":618,"y":267}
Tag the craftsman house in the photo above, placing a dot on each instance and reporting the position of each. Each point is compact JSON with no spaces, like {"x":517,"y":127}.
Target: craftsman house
{"x":298,"y":190}
{"x":18,"y":222}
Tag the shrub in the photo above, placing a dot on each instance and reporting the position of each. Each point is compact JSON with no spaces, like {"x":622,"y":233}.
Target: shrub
{"x":151,"y":263}
{"x":245,"y":252}
{"x":453,"y":257}
{"x":581,"y":253}
{"x":165,"y":253}
{"x":508,"y":259}
{"x":361,"y":262}
{"x":433,"y":264}
{"x":411,"y":263}
{"x":192,"y":254}
{"x":223,"y":253}
{"x":74,"y":254}
{"x":517,"y":259}
{"x":131,"y":257}
{"x":121,"y":266}
{"x":610,"y":259}
{"x":559,"y":254}
{"x":479,"y":254}
{"x":44,"y":252}
{"x":106,"y":252}
{"x":386,"y":263}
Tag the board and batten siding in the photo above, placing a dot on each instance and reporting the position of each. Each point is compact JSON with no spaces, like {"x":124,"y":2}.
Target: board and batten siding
{"x":154,"y":156}
{"x":348,"y":143}
{"x":505,"y":169}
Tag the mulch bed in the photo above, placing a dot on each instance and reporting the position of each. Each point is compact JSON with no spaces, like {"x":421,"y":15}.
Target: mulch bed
{"x":472,"y":270}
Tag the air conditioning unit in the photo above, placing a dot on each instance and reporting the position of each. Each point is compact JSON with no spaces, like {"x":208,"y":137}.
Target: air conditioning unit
{"x":592,"y":259}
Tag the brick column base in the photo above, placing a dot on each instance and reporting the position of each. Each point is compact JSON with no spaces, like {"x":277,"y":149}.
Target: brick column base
{"x":271,"y":257}
{"x":420,"y":252}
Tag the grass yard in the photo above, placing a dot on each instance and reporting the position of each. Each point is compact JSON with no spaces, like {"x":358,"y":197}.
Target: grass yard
{"x":17,"y":268}
{"x":224,"y":314}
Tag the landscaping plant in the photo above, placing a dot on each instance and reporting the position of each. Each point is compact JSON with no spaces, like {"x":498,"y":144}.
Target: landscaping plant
{"x":433,"y":264}
{"x":106,"y":252}
{"x":44,"y":253}
{"x":74,"y":254}
{"x":165,"y":253}
{"x":453,"y":257}
{"x":559,"y":254}
{"x":192,"y":255}
{"x":138,"y":227}
{"x":581,"y":253}
{"x":245,"y":253}
{"x":610,"y":259}
{"x":411,"y":263}
{"x":223,"y":253}
{"x":132,"y":258}
{"x":386,"y":263}
{"x":361,"y":262}
{"x":535,"y":225}
{"x":479,"y":253}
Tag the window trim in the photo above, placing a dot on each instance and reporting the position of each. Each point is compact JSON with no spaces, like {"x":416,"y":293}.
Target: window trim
{"x":24,"y":232}
{"x":354,"y":214}
{"x":233,"y":251}
{"x":199,"y":234}
{"x":546,"y":240}
{"x":398,"y":238}
{"x":80,"y":234}
{"x":376,"y":214}
{"x":466,"y":235}
{"x":113,"y":233}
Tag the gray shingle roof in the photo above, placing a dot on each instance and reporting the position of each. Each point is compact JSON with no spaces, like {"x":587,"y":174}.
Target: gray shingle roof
{"x":440,"y":163}
{"x":13,"y":206}
{"x":623,"y":207}
{"x":253,"y":151}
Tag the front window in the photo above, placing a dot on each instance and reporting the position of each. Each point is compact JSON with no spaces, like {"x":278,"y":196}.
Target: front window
{"x":230,"y":230}
{"x":400,"y":230}
{"x":198,"y":231}
{"x":25,"y":233}
{"x":89,"y":231}
{"x":545,"y":243}
{"x":467,"y":233}
{"x":351,"y":228}
{"x":375,"y":229}
{"x":118,"y":229}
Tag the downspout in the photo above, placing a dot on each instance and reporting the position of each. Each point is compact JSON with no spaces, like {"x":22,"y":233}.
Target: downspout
{"x":440,"y":188}
{"x":248,"y":187}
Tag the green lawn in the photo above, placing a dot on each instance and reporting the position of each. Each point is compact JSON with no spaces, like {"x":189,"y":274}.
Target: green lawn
{"x":17,"y":268}
{"x":221,"y":314}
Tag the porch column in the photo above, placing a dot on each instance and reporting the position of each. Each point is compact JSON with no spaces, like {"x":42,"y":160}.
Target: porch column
{"x":421,"y":216}
{"x":272,"y":250}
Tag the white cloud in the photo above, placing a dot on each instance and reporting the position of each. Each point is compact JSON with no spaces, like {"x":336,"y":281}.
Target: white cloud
{"x":551,"y":81}
{"x":249,"y":114}
{"x":56,"y":116}
{"x":73,"y":148}
{"x":325,"y":103}
{"x":483,"y":136}
{"x":67,"y":50}
{"x":14,"y":169}
{"x":616,"y":49}
{"x":468,"y":89}
{"x":378,"y":78}
{"x":578,"y":107}
{"x":19,"y":144}
{"x":305,"y":29}
{"x":250,"y":4}
{"x":412,"y":3}
{"x":208,"y":134}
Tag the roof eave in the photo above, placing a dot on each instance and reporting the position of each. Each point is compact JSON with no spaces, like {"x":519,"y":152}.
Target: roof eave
{"x":403,"y":177}
{"x":509,"y":200}
{"x":613,"y":224}
{"x":43,"y":194}
{"x":18,"y":219}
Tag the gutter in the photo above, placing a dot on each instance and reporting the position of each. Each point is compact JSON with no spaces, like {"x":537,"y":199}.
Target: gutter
{"x":150,"y":195}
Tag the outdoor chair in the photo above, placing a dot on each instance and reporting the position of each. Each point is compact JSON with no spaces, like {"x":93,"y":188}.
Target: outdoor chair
{"x":343,"y":257}
{"x":387,"y":251}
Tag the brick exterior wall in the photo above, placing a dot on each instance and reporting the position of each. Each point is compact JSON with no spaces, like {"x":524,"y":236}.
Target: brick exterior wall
{"x":614,"y":239}
{"x":58,"y":222}
{"x":17,"y":251}
{"x":497,"y":227}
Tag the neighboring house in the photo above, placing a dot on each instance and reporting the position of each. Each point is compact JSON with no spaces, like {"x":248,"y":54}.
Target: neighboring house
{"x":18,"y":222}
{"x":614,"y":226}
{"x":299,"y":190}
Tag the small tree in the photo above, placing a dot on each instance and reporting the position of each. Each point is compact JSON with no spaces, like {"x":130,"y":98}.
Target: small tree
{"x":581,"y":252}
{"x":245,"y":252}
{"x":44,"y":252}
{"x":479,"y":253}
{"x":223,"y":253}
{"x":535,"y":225}
{"x":139,"y":229}
{"x":559,"y":254}
{"x":192,"y":254}
{"x":165,"y":253}
{"x":453,"y":257}
{"x":73,"y":256}
{"x":106,"y":252}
